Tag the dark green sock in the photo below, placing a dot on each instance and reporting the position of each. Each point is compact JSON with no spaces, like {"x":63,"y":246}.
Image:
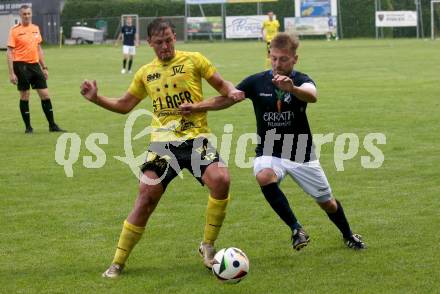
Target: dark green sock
{"x":280,"y":205}
{"x":339,"y":219}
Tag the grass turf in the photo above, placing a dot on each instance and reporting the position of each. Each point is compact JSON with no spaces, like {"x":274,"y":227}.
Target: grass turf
{"x":58,"y":234}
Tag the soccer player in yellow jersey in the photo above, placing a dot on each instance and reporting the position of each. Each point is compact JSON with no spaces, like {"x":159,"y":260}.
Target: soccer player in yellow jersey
{"x":269,"y":30}
{"x":172,"y":78}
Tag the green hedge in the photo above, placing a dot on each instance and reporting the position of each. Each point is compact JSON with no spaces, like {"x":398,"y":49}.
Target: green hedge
{"x":77,"y":9}
{"x":357,"y":15}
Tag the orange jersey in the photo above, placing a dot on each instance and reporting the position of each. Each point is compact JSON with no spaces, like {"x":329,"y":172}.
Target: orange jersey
{"x":25,"y":41}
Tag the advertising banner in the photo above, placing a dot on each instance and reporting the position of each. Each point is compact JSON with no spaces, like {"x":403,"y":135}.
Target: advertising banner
{"x":202,"y":26}
{"x":249,"y":1}
{"x":396,"y":18}
{"x":309,"y":25}
{"x":11,"y":7}
{"x":204,"y":1}
{"x":245,"y":26}
{"x":315,"y":8}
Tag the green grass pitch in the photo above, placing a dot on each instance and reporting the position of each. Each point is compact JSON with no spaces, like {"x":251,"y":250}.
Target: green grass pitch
{"x":58,"y":234}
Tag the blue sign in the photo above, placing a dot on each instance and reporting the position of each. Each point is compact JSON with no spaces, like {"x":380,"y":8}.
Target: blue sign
{"x":315,"y":8}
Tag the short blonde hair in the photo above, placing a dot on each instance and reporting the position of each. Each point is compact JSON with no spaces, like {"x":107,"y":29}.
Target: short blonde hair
{"x":285,"y":41}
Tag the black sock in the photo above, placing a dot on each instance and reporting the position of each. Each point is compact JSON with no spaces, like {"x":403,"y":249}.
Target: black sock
{"x":124,"y":63}
{"x":47,"y":108}
{"x":339,"y":219}
{"x":130,"y":62}
{"x":280,"y":205}
{"x":24,"y":109}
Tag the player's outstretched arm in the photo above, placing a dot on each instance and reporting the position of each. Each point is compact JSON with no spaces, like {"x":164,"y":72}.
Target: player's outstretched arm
{"x":214,"y":103}
{"x":225,"y":88}
{"x":124,"y":104}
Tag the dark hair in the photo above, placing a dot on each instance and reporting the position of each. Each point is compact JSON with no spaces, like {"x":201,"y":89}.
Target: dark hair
{"x":24,"y":6}
{"x":159,"y":25}
{"x":285,"y":41}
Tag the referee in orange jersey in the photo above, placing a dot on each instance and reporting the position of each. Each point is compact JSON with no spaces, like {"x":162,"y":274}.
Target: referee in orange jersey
{"x":27,"y":67}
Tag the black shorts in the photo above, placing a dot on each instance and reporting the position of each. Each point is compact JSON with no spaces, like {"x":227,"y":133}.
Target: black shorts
{"x":167,"y":159}
{"x":29,"y":74}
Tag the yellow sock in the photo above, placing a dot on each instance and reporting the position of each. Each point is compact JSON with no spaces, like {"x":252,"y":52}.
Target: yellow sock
{"x":215,"y":214}
{"x":130,"y":235}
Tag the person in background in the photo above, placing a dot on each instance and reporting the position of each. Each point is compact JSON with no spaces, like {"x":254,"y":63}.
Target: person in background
{"x":27,"y":68}
{"x":130,"y":39}
{"x":269,"y":30}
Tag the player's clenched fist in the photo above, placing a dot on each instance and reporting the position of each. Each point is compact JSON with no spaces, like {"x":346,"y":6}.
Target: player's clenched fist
{"x":89,"y":90}
{"x":236,"y":95}
{"x":186,"y":108}
{"x":282,"y":82}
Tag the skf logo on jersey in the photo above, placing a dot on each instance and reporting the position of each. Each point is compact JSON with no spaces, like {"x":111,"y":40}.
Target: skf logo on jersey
{"x":152,"y":77}
{"x":178,"y":69}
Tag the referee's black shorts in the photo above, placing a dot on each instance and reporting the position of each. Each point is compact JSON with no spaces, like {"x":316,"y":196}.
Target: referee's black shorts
{"x":167,"y":159}
{"x":29,"y":75}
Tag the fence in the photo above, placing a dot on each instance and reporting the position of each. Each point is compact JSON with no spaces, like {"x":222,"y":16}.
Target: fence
{"x":112,"y":26}
{"x":357,"y":16}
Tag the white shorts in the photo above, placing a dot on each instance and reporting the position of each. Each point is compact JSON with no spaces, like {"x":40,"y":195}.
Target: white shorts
{"x":129,"y":50}
{"x":309,"y":175}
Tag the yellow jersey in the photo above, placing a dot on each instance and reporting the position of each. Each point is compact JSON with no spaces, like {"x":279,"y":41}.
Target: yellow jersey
{"x":169,"y":84}
{"x":271,"y":28}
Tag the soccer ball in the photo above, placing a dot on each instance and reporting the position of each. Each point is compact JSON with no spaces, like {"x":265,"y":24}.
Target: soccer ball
{"x":230,"y":265}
